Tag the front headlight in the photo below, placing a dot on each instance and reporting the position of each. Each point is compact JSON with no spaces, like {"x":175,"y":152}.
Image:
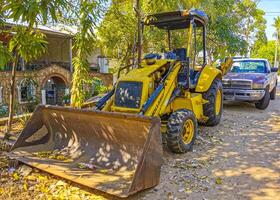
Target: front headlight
{"x":258,"y":86}
{"x":226,"y":82}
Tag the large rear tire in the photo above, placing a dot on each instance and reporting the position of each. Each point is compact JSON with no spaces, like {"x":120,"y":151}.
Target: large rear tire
{"x":181,"y":131}
{"x":264,"y":102}
{"x":214,"y":108}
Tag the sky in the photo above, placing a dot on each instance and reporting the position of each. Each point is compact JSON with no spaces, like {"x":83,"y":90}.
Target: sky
{"x":272,"y":9}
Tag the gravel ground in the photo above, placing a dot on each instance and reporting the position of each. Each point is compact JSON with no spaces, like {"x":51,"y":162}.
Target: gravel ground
{"x":238,"y":159}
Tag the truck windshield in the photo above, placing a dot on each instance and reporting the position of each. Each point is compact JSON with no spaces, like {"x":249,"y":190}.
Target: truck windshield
{"x":248,"y":66}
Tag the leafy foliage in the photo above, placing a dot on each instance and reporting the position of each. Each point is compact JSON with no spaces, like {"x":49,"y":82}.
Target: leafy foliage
{"x":232,"y":25}
{"x":26,"y":42}
{"x":266,"y":51}
{"x":277,"y":24}
{"x":34,"y":12}
{"x":277,"y":34}
{"x":89,"y":13}
{"x":252,"y":23}
{"x":5,"y":55}
{"x":3,"y":111}
{"x":98,"y":86}
{"x":117,"y":31}
{"x":29,"y":44}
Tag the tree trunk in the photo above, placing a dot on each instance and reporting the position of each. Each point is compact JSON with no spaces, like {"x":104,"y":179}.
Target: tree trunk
{"x":139,"y":31}
{"x":12,"y":98}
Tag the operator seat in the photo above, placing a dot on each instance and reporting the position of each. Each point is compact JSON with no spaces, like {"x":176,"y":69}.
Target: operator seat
{"x":181,"y":54}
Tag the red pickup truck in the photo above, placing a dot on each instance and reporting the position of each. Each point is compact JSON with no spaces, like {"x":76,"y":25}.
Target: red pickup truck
{"x":251,"y":80}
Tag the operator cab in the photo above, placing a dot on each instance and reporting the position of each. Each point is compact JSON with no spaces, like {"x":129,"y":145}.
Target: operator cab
{"x":186,"y":39}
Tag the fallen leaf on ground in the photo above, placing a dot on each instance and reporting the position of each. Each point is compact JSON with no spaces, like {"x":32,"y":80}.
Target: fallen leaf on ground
{"x":188,"y":190}
{"x":104,"y":170}
{"x":42,"y":178}
{"x":169,"y":196}
{"x":25,"y":186}
{"x":16,"y":176}
{"x":30,"y":178}
{"x":60,"y":183}
{"x":203,"y":177}
{"x":219,"y":181}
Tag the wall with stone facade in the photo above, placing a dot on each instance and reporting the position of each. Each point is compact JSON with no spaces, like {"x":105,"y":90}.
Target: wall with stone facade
{"x":40,"y":77}
{"x":106,"y":78}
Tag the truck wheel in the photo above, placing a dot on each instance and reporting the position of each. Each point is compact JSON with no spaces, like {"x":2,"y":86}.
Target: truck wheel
{"x":214,"y":108}
{"x":264,"y":102}
{"x":273,"y":94}
{"x":181,"y":131}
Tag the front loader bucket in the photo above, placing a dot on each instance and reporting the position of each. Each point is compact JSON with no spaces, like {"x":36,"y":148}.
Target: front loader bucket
{"x":119,"y":154}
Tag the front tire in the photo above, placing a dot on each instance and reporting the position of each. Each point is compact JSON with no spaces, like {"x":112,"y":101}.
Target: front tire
{"x":182,"y":129}
{"x":264,"y":102}
{"x":214,"y":108}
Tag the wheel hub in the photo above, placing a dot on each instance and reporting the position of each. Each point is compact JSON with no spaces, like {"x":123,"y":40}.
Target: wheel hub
{"x":188,"y":131}
{"x":218,"y":102}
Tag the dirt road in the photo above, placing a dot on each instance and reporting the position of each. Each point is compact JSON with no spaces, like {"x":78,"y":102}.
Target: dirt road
{"x":238,"y":159}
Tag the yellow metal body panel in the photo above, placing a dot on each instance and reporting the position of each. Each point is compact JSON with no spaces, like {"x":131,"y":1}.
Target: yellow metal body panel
{"x":193,"y":101}
{"x":151,"y":74}
{"x":189,"y":41}
{"x":159,"y":107}
{"x":146,"y":76}
{"x":226,"y":65}
{"x":145,"y":71}
{"x":207,"y":76}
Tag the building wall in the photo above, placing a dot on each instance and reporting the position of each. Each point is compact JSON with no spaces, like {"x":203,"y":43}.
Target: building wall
{"x":57,"y":50}
{"x":40,"y":77}
{"x":106,"y":78}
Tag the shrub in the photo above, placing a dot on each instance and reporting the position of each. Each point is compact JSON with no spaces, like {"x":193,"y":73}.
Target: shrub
{"x":4,"y":110}
{"x":98,"y":86}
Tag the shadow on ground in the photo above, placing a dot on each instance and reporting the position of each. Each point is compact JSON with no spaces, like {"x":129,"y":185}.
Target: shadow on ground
{"x":238,"y":159}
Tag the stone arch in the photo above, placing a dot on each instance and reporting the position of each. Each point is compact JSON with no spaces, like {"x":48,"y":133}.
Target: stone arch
{"x":54,"y":89}
{"x":60,"y":76}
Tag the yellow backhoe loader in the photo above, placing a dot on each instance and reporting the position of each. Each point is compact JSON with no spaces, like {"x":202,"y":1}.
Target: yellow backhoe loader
{"x":116,"y":146}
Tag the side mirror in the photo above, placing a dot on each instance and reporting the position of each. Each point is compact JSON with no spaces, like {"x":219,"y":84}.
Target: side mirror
{"x":226,"y":65}
{"x":274,"y":69}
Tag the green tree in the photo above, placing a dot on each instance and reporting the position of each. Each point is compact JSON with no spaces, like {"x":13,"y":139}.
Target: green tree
{"x":227,"y":17}
{"x":265,"y":51}
{"x":277,"y":34}
{"x":26,"y":42}
{"x":252,"y":24}
{"x":88,"y":13}
{"x":277,"y":24}
{"x":117,"y":31}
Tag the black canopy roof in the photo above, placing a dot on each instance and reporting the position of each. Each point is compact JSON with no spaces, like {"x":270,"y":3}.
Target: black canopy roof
{"x":177,"y":19}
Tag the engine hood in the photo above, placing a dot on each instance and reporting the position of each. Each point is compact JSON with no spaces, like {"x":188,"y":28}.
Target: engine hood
{"x":254,"y":77}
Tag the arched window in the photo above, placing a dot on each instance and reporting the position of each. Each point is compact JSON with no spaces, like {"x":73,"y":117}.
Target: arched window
{"x":26,"y":91}
{"x":1,"y":94}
